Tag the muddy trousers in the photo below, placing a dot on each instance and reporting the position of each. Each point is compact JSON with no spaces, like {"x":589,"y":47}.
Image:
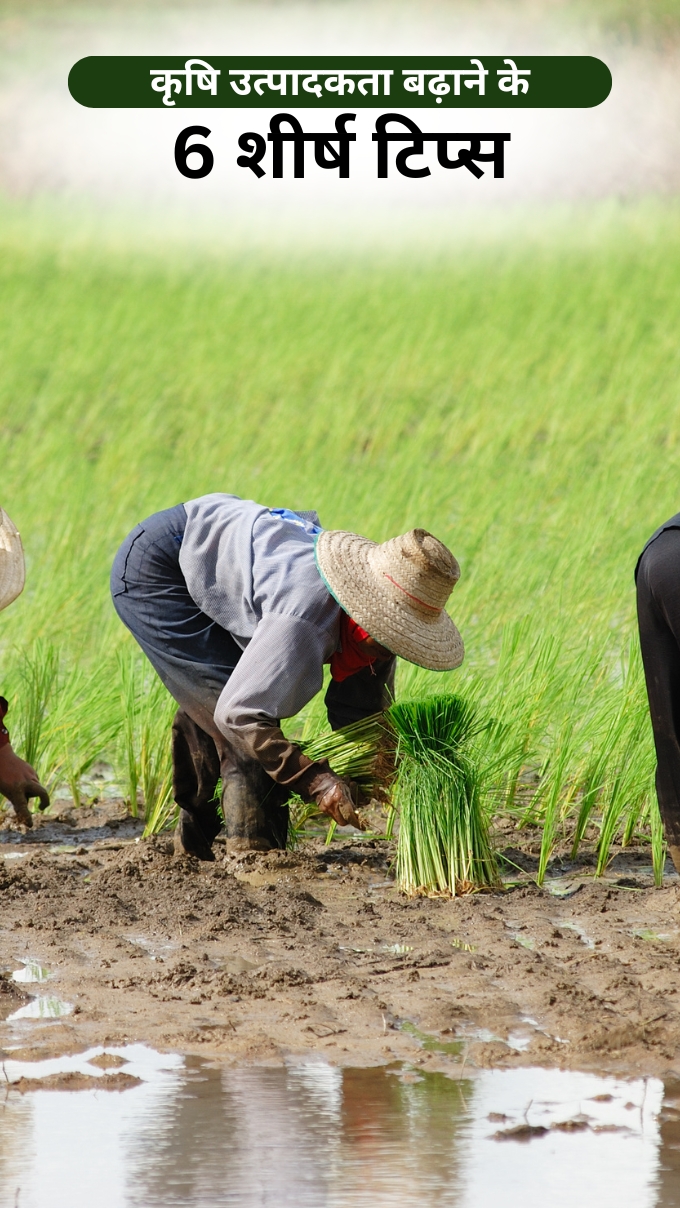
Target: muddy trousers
{"x":658,"y":602}
{"x":253,"y":806}
{"x":194,"y":658}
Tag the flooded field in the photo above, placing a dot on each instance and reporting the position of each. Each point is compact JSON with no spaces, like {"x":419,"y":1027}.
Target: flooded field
{"x":285,"y":956}
{"x":147,"y":1129}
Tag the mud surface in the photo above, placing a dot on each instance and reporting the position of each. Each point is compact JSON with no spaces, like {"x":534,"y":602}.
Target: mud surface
{"x":281,"y":954}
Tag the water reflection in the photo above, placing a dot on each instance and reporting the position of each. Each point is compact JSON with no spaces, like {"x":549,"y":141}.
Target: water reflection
{"x":31,"y":971}
{"x":201,"y":1136}
{"x":42,"y":1007}
{"x":309,"y":1136}
{"x":669,"y":1164}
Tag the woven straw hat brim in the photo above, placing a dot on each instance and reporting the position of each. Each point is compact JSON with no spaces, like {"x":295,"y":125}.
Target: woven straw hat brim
{"x":12,"y":571}
{"x":344,"y":561}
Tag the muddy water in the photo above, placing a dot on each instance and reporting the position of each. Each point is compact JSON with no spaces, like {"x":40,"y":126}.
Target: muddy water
{"x":314,"y":1136}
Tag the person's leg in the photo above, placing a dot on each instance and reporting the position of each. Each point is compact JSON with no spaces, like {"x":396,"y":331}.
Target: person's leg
{"x":194,"y":658}
{"x":255,"y":813}
{"x":658,"y":602}
{"x":195,"y":773}
{"x":254,"y":806}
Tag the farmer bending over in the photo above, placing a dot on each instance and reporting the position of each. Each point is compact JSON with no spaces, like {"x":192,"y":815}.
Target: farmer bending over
{"x":238,"y":607}
{"x":18,"y":781}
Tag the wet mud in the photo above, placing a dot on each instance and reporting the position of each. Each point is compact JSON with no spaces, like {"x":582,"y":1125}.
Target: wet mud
{"x":108,"y":939}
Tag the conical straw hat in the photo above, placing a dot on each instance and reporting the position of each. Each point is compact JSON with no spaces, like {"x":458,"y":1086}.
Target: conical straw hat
{"x":12,"y":572}
{"x":397,"y":592}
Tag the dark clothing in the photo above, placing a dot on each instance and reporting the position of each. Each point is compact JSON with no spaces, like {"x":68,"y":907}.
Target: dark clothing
{"x":673,"y":523}
{"x":254,"y":807}
{"x":658,"y":603}
{"x":367,"y":691}
{"x":193,"y":655}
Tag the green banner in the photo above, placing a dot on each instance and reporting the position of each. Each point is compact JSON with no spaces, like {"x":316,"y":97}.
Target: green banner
{"x":176,"y":82}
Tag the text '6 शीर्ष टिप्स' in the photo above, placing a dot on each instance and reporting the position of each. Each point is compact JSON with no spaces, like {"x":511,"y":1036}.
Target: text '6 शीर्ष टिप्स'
{"x":263,"y":154}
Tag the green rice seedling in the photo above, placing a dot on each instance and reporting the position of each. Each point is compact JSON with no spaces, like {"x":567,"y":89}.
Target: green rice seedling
{"x":144,"y":741}
{"x":299,"y":814}
{"x":624,"y":791}
{"x":634,"y":813}
{"x":128,"y":669}
{"x":351,"y":751}
{"x":83,"y":724}
{"x":443,"y":844}
{"x":608,"y":733}
{"x":591,"y":785}
{"x":37,"y":677}
{"x":538,"y":678}
{"x":611,"y":819}
{"x":163,"y":812}
{"x":659,"y":847}
{"x":155,"y":760}
{"x":555,"y":802}
{"x":621,"y":792}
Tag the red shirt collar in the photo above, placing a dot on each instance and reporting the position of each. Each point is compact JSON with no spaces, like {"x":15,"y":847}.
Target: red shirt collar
{"x":351,"y":656}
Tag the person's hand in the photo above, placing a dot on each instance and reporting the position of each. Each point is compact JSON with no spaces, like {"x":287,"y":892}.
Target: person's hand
{"x":18,"y":782}
{"x":337,"y":798}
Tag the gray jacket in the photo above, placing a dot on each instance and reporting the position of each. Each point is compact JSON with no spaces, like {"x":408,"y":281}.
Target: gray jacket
{"x":255,"y":574}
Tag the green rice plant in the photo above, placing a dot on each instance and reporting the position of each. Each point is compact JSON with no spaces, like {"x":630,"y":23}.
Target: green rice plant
{"x":155,"y":758}
{"x":163,"y":814}
{"x":592,"y":783}
{"x":37,"y":676}
{"x":144,"y":741}
{"x":299,"y":814}
{"x":621,"y":793}
{"x":83,"y":724}
{"x":128,"y":669}
{"x":556,"y":803}
{"x":634,"y":812}
{"x":351,"y":751}
{"x":624,"y":791}
{"x":659,"y":846}
{"x":443,"y":844}
{"x":536,"y":684}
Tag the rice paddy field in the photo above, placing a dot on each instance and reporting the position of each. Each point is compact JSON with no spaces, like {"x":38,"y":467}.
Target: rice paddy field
{"x":520,"y":400}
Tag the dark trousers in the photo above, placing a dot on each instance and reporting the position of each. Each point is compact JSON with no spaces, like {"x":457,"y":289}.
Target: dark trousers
{"x":194,"y":658}
{"x":658,"y":602}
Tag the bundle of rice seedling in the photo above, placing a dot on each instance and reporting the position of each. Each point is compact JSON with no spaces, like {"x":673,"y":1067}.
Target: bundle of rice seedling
{"x":420,"y":753}
{"x":352,"y":751}
{"x":362,"y":752}
{"x":443,"y":844}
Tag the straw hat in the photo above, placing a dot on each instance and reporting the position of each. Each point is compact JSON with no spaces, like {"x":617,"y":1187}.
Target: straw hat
{"x":11,"y":561}
{"x":397,"y":592}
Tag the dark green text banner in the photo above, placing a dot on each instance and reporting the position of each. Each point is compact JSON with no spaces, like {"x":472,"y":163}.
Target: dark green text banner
{"x":175,"y":82}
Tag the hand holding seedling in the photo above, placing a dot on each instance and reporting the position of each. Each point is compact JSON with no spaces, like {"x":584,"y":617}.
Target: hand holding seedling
{"x":335,"y":798}
{"x":18,"y":782}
